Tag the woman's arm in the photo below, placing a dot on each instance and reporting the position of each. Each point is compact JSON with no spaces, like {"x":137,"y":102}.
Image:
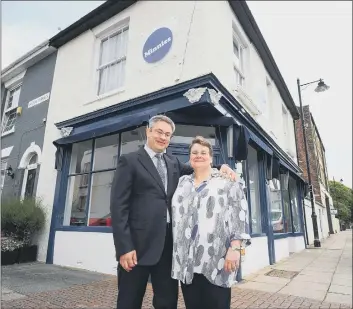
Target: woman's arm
{"x":238,"y":215}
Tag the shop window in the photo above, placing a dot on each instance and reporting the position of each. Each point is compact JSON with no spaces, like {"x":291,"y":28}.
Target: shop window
{"x":276,"y":206}
{"x":92,"y":168}
{"x":293,"y":193}
{"x":112,"y":60}
{"x":286,"y":204}
{"x":254,"y":190}
{"x":184,"y":134}
{"x":133,"y":140}
{"x":88,"y":195}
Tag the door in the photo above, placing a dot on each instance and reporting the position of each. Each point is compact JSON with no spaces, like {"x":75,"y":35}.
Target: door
{"x":31,"y":178}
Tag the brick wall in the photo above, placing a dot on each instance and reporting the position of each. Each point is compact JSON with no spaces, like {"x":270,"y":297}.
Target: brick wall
{"x":310,"y":129}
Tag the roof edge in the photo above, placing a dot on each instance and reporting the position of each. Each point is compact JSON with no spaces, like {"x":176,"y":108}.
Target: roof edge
{"x":265,"y":52}
{"x":24,"y":57}
{"x":92,"y":19}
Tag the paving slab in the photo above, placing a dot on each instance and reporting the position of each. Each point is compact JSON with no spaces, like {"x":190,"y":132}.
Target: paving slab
{"x":319,"y":278}
{"x":261,"y":286}
{"x":339,"y":289}
{"x":269,"y":279}
{"x":30,"y":278}
{"x":339,"y":298}
{"x":306,"y":292}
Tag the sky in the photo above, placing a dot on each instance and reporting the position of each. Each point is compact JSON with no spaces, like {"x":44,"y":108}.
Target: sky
{"x":309,"y":40}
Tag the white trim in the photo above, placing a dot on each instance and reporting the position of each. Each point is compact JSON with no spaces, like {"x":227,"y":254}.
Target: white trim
{"x":6,"y":152}
{"x":29,"y":59}
{"x":33,"y":148}
{"x":8,"y":132}
{"x":15,"y":81}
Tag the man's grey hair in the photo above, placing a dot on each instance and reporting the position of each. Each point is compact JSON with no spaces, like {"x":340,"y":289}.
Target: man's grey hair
{"x":158,"y":118}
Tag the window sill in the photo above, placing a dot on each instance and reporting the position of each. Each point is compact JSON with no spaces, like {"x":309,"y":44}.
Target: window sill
{"x":94,"y":229}
{"x":8,"y":132}
{"x":285,"y":235}
{"x":255,"y":235}
{"x":246,"y":100}
{"x":105,"y":96}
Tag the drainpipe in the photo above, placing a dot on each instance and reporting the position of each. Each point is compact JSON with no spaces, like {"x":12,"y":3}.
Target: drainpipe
{"x":306,"y":240}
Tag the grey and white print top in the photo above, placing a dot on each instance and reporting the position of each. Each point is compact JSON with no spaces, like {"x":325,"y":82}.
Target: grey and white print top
{"x":205,"y":220}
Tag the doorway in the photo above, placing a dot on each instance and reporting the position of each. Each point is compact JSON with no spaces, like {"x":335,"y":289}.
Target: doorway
{"x":29,"y":178}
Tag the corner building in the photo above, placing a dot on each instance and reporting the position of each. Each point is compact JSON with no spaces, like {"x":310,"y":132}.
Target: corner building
{"x":206,"y":65}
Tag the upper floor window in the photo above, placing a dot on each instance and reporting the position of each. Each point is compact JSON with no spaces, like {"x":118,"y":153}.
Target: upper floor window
{"x":11,"y":104}
{"x":13,"y":97}
{"x":238,"y":60}
{"x":111,"y":69}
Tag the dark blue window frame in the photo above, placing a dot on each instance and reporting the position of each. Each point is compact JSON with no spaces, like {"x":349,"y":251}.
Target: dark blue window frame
{"x":300,"y":213}
{"x":263,"y":197}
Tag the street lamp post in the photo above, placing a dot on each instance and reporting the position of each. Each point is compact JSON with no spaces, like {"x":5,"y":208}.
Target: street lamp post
{"x":320,"y":88}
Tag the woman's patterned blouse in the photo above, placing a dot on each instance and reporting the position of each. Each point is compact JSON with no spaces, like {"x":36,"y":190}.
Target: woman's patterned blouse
{"x":205,"y":220}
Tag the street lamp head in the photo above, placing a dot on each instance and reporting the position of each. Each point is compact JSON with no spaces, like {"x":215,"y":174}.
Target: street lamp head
{"x":321,"y":86}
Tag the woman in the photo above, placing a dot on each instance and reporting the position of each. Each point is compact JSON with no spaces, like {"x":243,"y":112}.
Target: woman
{"x":209,"y":228}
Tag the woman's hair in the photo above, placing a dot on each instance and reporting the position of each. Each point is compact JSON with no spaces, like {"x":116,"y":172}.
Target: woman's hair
{"x":203,"y":142}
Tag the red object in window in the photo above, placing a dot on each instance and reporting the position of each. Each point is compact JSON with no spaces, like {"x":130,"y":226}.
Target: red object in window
{"x":108,"y":221}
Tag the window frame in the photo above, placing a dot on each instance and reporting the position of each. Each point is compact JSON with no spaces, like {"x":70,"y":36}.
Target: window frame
{"x":116,"y":30}
{"x":262,"y":197}
{"x":300,"y":211}
{"x":64,"y":185}
{"x":8,"y":111}
{"x":239,"y":69}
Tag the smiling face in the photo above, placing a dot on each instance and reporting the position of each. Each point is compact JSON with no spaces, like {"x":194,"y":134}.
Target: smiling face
{"x":200,"y":156}
{"x":159,"y":135}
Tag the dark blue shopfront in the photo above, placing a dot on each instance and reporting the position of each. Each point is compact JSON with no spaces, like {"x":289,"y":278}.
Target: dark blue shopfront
{"x":86,"y":159}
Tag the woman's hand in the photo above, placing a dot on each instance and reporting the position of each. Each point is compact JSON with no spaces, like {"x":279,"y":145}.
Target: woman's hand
{"x":232,"y":259}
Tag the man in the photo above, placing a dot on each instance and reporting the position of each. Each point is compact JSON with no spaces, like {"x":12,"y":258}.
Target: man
{"x":141,"y":194}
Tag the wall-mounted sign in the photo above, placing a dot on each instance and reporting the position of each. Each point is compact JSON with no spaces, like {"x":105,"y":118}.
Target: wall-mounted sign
{"x":157,"y":45}
{"x":39,"y":100}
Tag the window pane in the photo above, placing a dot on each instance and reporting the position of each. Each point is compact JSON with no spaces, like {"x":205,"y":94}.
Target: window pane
{"x":254,"y":190}
{"x":184,"y":134}
{"x":75,"y":210}
{"x":236,"y":48}
{"x":99,"y":214}
{"x":293,"y":192}
{"x":132,"y":140}
{"x":276,"y":206}
{"x":81,"y":155}
{"x":14,"y":96}
{"x":286,"y":205}
{"x":10,"y":120}
{"x":106,"y":148}
{"x":33,"y":159}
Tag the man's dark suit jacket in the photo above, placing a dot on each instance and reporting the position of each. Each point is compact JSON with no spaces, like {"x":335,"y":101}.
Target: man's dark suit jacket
{"x":139,"y":204}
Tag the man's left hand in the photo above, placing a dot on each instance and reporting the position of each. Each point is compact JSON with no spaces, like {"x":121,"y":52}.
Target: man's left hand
{"x":228,"y":172}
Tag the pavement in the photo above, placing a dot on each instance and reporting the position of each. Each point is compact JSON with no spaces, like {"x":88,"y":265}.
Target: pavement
{"x":313,"y":278}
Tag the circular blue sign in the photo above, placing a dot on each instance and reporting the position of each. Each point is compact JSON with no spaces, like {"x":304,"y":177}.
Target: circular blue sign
{"x":157,"y":45}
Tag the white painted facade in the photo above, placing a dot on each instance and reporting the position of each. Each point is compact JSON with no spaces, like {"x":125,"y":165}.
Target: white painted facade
{"x":199,"y":47}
